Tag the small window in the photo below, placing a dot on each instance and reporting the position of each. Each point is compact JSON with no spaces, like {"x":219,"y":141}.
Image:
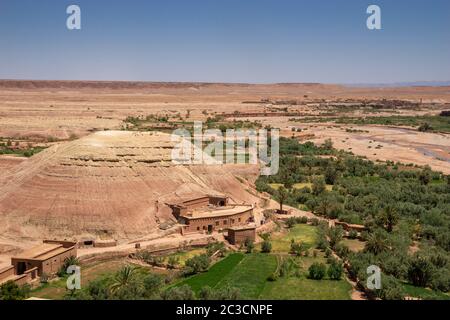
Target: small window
{"x":204,"y":227}
{"x":198,"y":228}
{"x":224,"y":222}
{"x":217,"y":223}
{"x":239,"y":219}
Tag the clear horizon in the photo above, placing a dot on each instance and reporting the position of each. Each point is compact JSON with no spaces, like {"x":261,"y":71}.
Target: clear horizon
{"x":235,"y":41}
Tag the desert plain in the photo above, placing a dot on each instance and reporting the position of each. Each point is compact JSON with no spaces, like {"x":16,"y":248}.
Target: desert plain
{"x":98,"y":173}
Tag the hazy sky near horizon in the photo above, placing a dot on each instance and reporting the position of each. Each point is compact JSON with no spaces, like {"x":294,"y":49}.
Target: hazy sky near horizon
{"x":259,"y":41}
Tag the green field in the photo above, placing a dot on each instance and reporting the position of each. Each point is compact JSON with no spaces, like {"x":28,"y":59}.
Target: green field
{"x":248,"y":273}
{"x":300,"y":288}
{"x":215,"y":274}
{"x":307,"y":234}
{"x":250,"y":276}
{"x":424,"y":293}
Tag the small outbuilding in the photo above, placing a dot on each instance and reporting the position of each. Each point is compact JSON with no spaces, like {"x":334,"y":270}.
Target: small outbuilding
{"x":239,"y":234}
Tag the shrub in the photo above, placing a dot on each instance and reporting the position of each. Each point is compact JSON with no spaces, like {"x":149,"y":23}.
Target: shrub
{"x":11,"y":291}
{"x":335,"y":271}
{"x":285,"y":268}
{"x":152,"y":284}
{"x":266,"y":246}
{"x":425,"y":127}
{"x":173,"y":262}
{"x":318,"y":186}
{"x":249,"y":245}
{"x":207,"y":293}
{"x":335,"y":234}
{"x":178,"y":293}
{"x":390,"y":289}
{"x":317,"y":271}
{"x":291,"y":222}
{"x":353,"y":234}
{"x":272,"y":277}
{"x":420,"y":271}
{"x":342,"y":251}
{"x":196,"y":264}
{"x":441,"y":280}
{"x":297,"y":248}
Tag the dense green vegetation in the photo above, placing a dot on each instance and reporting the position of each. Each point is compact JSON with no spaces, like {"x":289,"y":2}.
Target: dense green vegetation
{"x":11,"y":291}
{"x":401,"y":207}
{"x":439,"y":123}
{"x":7,"y":148}
{"x":423,"y":123}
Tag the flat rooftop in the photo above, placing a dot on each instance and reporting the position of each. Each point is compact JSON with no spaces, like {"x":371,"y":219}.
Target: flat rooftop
{"x":213,"y":212}
{"x":242,"y":228}
{"x":42,"y":251}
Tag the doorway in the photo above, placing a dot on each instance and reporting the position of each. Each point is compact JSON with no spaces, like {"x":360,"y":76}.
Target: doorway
{"x":21,"y":267}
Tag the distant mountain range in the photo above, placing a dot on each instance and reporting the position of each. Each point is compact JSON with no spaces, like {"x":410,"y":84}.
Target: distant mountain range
{"x":401,"y":84}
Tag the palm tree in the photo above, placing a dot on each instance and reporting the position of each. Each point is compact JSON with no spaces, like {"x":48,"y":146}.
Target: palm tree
{"x":389,"y":218}
{"x":123,"y":278}
{"x":71,"y":261}
{"x":376,"y":242}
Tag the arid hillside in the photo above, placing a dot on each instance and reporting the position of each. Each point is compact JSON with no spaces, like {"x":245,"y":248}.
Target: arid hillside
{"x":112,"y":183}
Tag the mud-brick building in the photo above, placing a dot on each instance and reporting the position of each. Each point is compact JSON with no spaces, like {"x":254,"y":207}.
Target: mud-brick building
{"x":46,"y":258}
{"x":211,"y":213}
{"x":239,"y":234}
{"x":186,"y":206}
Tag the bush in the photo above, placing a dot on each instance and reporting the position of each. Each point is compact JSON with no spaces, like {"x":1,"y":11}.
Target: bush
{"x":297,"y":248}
{"x":11,"y":291}
{"x":335,"y":234}
{"x":286,"y":268}
{"x":249,"y":245}
{"x":317,"y":271}
{"x":291,"y":222}
{"x":335,"y":271}
{"x":173,"y":262}
{"x":207,"y":293}
{"x":420,"y":271}
{"x":266,"y":246}
{"x":197,"y":264}
{"x":272,"y":277}
{"x":152,"y":284}
{"x":178,"y":293}
{"x":441,"y":280}
{"x":390,"y":289}
{"x":342,"y":251}
{"x":318,"y":186}
{"x":303,"y":220}
{"x":353,"y":234}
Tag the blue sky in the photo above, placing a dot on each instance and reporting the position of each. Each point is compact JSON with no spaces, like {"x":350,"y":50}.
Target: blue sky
{"x":259,"y":41}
